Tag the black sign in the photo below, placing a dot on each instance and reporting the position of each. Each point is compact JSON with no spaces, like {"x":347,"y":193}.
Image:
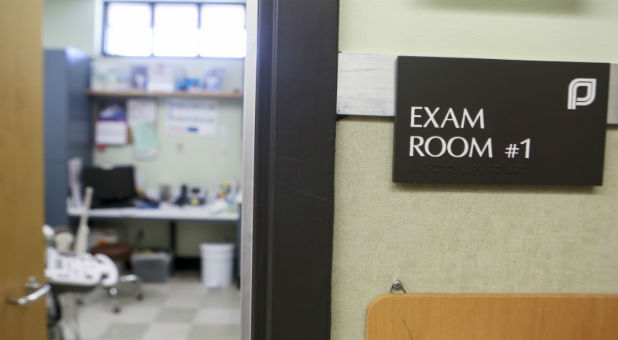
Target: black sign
{"x":499,"y":121}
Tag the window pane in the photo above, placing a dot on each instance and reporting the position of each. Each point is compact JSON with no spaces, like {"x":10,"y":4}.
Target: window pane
{"x":223,"y":32}
{"x":175,"y":30}
{"x":128,"y":30}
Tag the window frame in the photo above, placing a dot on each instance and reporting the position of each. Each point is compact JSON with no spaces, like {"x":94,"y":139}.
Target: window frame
{"x":151,"y":4}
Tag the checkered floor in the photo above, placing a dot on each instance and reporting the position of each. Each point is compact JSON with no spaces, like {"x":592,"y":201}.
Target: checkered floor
{"x":179,"y":309}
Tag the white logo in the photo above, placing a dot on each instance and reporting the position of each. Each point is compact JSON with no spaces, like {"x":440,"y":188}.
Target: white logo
{"x":591,"y":90}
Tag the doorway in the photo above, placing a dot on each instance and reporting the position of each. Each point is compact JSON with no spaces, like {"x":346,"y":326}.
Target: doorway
{"x":287,"y":181}
{"x":171,"y":109}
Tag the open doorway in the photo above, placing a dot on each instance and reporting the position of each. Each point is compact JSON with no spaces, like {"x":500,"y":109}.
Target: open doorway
{"x":287,"y":223}
{"x":144,"y":103}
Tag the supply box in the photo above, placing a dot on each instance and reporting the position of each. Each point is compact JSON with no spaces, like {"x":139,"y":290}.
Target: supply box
{"x":152,"y":267}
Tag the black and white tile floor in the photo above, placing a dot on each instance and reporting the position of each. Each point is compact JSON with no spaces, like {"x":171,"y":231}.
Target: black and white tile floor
{"x":182,"y":308}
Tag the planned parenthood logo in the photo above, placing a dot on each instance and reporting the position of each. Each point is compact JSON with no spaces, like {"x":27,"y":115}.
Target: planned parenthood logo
{"x":590,"y":86}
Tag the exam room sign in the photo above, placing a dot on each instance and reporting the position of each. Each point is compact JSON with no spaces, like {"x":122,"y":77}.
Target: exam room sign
{"x":500,"y":121}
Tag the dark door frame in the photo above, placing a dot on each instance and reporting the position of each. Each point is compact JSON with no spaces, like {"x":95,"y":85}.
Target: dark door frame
{"x":294,"y":153}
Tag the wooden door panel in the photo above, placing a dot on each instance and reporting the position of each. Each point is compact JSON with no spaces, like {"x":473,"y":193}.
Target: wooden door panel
{"x":493,"y":316}
{"x":21,"y":166}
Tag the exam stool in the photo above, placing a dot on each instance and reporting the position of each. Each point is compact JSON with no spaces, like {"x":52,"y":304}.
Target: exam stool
{"x":119,"y":252}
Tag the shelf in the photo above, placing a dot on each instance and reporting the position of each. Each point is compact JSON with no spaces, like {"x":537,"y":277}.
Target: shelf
{"x":138,"y":93}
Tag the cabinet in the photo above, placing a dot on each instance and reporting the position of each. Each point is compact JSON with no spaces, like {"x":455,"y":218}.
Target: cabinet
{"x":67,"y":125}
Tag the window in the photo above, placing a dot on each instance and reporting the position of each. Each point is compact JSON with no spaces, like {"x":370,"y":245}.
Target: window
{"x":164,"y":29}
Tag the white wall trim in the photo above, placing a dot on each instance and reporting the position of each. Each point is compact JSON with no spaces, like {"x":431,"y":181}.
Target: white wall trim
{"x":246,"y":237}
{"x":366,"y":84}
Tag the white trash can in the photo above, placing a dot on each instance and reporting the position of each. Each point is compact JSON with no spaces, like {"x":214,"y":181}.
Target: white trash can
{"x":217,"y":262}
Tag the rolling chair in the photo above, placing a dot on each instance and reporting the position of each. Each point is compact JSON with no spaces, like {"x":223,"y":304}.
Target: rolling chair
{"x":119,"y":252}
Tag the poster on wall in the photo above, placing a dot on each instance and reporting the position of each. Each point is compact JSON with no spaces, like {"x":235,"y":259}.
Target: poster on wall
{"x":500,"y":121}
{"x":191,"y":117}
{"x":142,"y":118}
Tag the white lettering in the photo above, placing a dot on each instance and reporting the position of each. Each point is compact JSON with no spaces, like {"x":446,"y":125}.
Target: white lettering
{"x":414,"y":115}
{"x":450,"y":147}
{"x":480,"y":116}
{"x":450,"y":117}
{"x":437,"y":120}
{"x":436,"y":146}
{"x":442,"y":146}
{"x":488,"y":146}
{"x":431,"y":117}
{"x":414,"y":146}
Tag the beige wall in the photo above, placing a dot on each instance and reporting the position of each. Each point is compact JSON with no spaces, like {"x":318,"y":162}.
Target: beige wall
{"x":468,"y":238}
{"x":573,"y":30}
{"x":72,"y":23}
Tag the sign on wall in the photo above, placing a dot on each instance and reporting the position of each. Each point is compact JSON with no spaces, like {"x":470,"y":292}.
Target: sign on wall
{"x":500,"y":121}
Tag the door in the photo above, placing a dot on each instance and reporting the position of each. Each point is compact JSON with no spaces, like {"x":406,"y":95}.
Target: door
{"x":21,"y":166}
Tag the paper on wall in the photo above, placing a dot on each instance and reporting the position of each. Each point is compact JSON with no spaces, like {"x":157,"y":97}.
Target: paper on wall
{"x":160,"y":78}
{"x":111,"y":133}
{"x":144,"y":140}
{"x":141,"y":111}
{"x":193,"y":117}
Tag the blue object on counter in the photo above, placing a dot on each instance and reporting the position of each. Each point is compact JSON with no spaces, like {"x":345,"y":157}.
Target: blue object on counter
{"x":145,"y":205}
